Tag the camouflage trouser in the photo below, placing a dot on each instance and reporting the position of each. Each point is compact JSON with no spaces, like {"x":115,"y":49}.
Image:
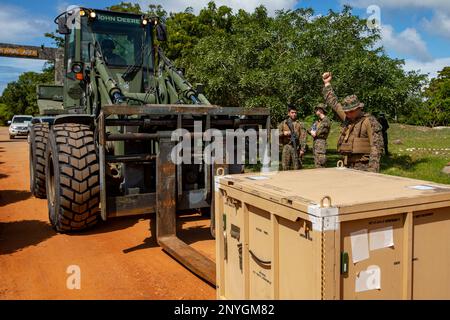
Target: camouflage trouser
{"x":287,"y":159}
{"x":385,"y":140}
{"x":373,"y":166}
{"x":319,"y":151}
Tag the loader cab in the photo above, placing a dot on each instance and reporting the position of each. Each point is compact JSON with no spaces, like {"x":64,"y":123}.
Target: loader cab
{"x":124,"y":41}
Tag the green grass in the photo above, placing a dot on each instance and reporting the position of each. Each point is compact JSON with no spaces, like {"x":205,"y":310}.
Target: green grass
{"x":421,"y":154}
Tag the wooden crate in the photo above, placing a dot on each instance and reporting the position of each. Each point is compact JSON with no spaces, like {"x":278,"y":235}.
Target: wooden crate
{"x":278,"y":236}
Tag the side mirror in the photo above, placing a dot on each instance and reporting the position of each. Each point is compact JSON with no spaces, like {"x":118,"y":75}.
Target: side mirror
{"x":9,"y":122}
{"x":200,"y":88}
{"x":161,"y":32}
{"x":62,"y":25}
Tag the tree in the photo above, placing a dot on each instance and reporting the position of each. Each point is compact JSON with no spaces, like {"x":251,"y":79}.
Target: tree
{"x":20,"y":96}
{"x":185,"y":29}
{"x":57,"y":40}
{"x":259,"y":60}
{"x":5,"y":114}
{"x":251,"y":59}
{"x":437,"y":107}
{"x":127,"y":7}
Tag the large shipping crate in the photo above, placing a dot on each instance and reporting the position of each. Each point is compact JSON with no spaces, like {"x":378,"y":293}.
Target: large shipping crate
{"x":331,"y":234}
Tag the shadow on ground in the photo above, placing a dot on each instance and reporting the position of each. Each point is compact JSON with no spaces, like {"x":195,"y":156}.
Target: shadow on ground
{"x":18,"y":235}
{"x":401,"y":161}
{"x":15,"y":140}
{"x":12,"y":196}
{"x":196,"y":233}
{"x":189,"y":235}
{"x":111,"y":225}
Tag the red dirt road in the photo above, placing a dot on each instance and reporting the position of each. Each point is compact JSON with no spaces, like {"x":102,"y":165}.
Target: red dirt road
{"x":118,"y":259}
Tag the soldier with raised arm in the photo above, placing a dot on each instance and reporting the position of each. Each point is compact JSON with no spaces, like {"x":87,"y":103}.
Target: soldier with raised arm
{"x":361,"y":140}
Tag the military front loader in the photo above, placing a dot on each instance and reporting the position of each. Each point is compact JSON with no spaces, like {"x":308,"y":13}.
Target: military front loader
{"x":109,"y":151}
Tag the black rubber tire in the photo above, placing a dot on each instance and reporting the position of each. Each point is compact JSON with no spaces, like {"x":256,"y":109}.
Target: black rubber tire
{"x":73,"y":189}
{"x":38,"y":144}
{"x":11,"y":137}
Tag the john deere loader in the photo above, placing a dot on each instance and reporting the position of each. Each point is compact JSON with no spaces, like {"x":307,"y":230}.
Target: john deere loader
{"x":109,"y":151}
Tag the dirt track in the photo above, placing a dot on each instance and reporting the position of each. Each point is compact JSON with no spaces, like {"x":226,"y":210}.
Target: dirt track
{"x":118,"y":259}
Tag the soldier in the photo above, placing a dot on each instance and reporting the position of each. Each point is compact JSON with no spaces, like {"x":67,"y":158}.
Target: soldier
{"x":361,"y":140}
{"x":110,"y":57}
{"x":320,"y":132}
{"x":384,"y":128}
{"x":293,"y":140}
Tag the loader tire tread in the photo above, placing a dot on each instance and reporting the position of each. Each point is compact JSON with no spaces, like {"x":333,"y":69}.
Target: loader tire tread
{"x":79,"y":186}
{"x":38,"y":144}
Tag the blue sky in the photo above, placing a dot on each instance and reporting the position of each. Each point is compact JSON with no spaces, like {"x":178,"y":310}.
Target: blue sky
{"x":417,"y":31}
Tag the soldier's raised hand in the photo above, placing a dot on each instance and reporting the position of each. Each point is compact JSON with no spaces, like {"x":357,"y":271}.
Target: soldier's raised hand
{"x":326,"y":77}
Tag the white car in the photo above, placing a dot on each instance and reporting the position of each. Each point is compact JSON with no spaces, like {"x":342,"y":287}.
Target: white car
{"x":18,"y":126}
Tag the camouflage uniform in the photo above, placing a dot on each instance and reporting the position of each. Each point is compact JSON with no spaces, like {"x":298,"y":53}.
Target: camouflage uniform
{"x":385,"y":126}
{"x":361,"y":140}
{"x":288,"y":155}
{"x":320,"y":142}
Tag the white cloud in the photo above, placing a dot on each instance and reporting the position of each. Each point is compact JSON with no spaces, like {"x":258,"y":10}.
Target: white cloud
{"x":16,"y":26}
{"x":197,"y":5}
{"x":439,"y":24}
{"x":12,"y":68}
{"x":431,"y":68}
{"x":61,"y":7}
{"x":401,"y":4}
{"x":408,"y":42}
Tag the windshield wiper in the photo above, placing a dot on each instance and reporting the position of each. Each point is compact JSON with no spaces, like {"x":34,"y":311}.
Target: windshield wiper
{"x":130,"y":72}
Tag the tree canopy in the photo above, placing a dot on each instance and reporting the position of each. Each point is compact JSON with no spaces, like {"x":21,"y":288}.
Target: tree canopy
{"x":19,"y":97}
{"x":437,"y":111}
{"x":253,"y":59}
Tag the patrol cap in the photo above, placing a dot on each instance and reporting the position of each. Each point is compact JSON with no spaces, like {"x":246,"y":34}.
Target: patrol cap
{"x":322,"y":107}
{"x":351,"y":103}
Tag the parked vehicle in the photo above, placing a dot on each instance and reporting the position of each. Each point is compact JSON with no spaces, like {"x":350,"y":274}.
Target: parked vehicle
{"x":48,"y":120}
{"x":19,"y":126}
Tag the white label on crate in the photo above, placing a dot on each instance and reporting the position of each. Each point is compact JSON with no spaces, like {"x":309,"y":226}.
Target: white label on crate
{"x":369,"y":279}
{"x":324,"y":224}
{"x":258,"y":178}
{"x":360,"y":245}
{"x":422,"y":187}
{"x":317,"y":211}
{"x":381,"y":238}
{"x":323,"y":219}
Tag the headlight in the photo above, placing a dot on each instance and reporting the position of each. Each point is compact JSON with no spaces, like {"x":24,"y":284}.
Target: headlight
{"x":92,"y":15}
{"x":77,"y":68}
